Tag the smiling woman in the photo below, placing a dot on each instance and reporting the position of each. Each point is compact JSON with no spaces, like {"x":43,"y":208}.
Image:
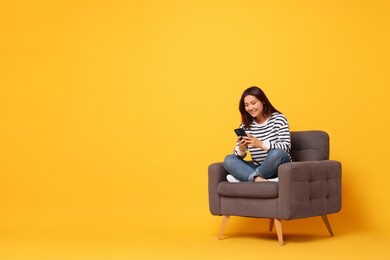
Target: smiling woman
{"x":268,"y":140}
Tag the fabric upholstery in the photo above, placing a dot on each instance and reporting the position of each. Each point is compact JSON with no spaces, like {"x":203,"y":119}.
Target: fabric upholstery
{"x":309,"y":146}
{"x":217,"y":174}
{"x":249,"y":207}
{"x":248,"y":189}
{"x":309,"y":189}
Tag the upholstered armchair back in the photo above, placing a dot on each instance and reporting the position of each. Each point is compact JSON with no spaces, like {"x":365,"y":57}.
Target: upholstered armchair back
{"x":309,"y":146}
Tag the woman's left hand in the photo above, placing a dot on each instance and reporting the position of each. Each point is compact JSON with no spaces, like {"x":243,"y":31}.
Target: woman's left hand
{"x":251,"y":140}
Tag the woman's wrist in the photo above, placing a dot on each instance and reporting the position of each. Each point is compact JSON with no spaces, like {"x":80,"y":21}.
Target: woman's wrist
{"x":265,"y":145}
{"x":239,"y":151}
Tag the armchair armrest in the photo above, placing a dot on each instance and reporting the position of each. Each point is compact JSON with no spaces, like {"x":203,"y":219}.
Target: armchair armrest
{"x":309,"y":188}
{"x":217,"y":174}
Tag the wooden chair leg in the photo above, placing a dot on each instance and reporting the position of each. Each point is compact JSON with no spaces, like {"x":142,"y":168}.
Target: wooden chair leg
{"x":271,"y":224}
{"x":327,"y":224}
{"x":223,"y":226}
{"x":279,"y":232}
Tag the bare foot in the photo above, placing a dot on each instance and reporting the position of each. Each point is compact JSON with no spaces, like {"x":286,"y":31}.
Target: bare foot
{"x":259,"y":179}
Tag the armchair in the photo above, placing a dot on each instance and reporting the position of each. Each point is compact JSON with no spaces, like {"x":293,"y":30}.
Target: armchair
{"x":308,"y":186}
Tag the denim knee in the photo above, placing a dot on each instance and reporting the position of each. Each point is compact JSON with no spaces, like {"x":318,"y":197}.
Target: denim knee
{"x":278,"y":154}
{"x":229,"y":161}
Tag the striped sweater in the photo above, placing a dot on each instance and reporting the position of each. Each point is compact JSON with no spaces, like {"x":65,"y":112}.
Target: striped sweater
{"x":275,"y":134}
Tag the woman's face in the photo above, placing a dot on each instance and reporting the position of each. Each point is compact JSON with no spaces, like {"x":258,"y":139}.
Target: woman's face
{"x":253,"y":106}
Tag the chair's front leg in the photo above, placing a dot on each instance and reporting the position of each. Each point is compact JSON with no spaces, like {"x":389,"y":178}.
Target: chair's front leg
{"x":223,"y":226}
{"x":279,"y":232}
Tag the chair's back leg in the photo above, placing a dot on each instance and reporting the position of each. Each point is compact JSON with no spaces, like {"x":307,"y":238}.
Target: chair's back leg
{"x":327,"y":224}
{"x":271,"y":224}
{"x":223,"y":226}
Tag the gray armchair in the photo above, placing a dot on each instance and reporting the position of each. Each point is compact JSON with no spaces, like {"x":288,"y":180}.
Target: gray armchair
{"x":309,"y":186}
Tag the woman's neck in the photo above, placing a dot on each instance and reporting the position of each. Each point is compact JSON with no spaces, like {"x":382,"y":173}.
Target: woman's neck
{"x":260,"y":119}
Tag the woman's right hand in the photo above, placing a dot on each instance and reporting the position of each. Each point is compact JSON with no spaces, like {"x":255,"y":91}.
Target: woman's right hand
{"x":242,"y":144}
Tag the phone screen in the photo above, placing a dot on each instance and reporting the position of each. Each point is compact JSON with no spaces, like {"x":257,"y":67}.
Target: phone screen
{"x":240,"y":132}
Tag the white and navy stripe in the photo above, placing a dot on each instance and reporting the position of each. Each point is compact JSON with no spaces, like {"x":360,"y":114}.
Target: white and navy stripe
{"x":275,"y":133}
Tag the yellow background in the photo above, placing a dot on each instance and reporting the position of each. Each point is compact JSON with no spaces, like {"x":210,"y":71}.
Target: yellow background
{"x":111,"y":112}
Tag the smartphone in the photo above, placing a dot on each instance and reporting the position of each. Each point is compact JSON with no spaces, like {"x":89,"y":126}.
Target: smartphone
{"x":240,"y":132}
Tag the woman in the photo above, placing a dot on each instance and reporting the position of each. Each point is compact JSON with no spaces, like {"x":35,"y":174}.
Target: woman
{"x":268,"y":140}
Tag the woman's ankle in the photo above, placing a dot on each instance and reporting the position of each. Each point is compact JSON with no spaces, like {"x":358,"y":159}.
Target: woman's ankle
{"x":259,"y":179}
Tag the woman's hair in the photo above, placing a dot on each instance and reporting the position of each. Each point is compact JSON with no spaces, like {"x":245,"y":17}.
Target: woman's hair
{"x":268,"y":108}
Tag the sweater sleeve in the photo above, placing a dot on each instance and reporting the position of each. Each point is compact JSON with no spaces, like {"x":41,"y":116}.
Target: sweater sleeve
{"x":283,"y":140}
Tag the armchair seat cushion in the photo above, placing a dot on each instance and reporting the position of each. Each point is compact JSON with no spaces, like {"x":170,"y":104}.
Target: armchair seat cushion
{"x":248,"y":189}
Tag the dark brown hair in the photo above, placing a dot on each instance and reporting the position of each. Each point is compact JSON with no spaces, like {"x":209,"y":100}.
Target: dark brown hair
{"x":260,"y":95}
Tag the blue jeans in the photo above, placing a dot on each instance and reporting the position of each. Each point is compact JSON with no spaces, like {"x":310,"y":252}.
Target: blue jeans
{"x":247,"y":171}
